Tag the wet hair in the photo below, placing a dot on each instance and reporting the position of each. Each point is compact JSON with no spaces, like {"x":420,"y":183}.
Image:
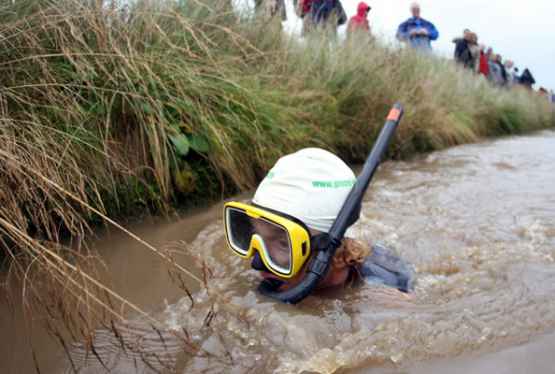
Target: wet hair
{"x":350,"y":254}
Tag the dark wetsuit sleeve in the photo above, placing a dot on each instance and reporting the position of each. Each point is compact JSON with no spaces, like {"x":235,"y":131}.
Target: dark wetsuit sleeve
{"x":384,"y":267}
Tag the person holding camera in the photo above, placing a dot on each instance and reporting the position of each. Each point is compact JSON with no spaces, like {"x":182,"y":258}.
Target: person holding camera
{"x":417,"y":31}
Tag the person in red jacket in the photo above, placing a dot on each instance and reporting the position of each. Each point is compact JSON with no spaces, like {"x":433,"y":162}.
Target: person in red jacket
{"x":484,"y":62}
{"x":359,"y":22}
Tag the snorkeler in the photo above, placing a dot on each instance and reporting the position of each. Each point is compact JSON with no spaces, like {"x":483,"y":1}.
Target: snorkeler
{"x":293,"y":229}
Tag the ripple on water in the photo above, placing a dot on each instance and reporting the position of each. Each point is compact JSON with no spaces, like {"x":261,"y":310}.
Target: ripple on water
{"x":484,"y":251}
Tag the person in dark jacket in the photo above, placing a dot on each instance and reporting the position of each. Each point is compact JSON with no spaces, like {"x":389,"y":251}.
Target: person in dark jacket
{"x":467,"y":52}
{"x":504,"y":76}
{"x":527,"y":79}
{"x":417,"y":31}
{"x":328,"y":15}
{"x":461,"y":46}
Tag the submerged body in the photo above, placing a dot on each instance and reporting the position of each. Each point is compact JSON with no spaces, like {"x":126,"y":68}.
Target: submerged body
{"x":383,"y":267}
{"x":293,"y":230}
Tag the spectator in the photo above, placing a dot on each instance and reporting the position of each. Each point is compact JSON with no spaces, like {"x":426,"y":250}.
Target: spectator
{"x":474,"y":52}
{"x":359,"y":23}
{"x":504,"y":76}
{"x":516,"y":76}
{"x":511,"y":77}
{"x":484,"y":65}
{"x":461,"y":48}
{"x":302,"y":9}
{"x":495,"y":74}
{"x":527,"y":79}
{"x":467,"y":52}
{"x":417,"y":31}
{"x":489,"y":54}
{"x":270,"y":8}
{"x":328,"y":15}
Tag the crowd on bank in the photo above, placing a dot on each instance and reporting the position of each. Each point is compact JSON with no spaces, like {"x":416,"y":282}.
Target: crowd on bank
{"x":416,"y":32}
{"x":481,"y":60}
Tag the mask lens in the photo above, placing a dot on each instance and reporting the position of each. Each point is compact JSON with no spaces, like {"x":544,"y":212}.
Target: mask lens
{"x":276,"y":244}
{"x":270,"y":239}
{"x":239,"y":230}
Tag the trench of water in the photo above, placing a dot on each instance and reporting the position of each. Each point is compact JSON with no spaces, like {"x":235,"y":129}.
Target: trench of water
{"x":477,"y":222}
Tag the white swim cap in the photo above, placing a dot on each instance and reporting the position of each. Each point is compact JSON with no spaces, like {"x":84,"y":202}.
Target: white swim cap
{"x":310,"y":185}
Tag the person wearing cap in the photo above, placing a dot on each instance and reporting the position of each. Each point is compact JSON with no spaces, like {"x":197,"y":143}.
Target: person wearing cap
{"x":285,"y":225}
{"x":417,"y":31}
{"x":359,"y":22}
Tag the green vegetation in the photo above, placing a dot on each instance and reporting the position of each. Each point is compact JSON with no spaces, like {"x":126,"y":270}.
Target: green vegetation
{"x":161,"y":105}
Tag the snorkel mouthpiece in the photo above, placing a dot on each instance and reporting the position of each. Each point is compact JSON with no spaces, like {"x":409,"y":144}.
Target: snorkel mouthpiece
{"x":270,"y":285}
{"x":320,"y":264}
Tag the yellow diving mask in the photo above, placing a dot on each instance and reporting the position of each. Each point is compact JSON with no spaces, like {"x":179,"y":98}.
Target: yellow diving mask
{"x":281,"y":241}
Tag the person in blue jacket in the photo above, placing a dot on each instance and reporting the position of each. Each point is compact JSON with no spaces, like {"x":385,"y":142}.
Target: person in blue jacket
{"x":417,"y":31}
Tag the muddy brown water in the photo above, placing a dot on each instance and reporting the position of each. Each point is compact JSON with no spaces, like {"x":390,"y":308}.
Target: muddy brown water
{"x":477,"y":221}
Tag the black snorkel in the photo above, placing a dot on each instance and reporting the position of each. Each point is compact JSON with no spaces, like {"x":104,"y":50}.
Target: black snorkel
{"x":348,"y":214}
